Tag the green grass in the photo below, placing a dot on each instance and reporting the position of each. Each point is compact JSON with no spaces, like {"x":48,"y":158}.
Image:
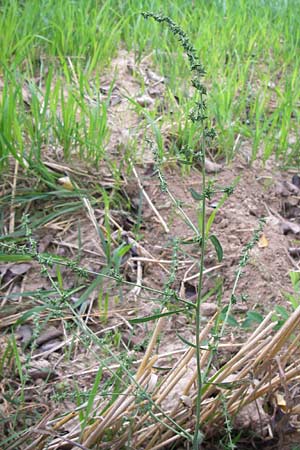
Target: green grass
{"x":250,"y":51}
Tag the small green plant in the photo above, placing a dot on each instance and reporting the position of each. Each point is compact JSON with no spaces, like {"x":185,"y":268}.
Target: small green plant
{"x":282,"y":313}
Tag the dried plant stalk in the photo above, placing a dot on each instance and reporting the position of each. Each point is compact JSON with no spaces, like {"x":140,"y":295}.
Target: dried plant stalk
{"x":156,"y":428}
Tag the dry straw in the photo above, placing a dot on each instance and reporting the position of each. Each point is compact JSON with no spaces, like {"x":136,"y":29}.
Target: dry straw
{"x":158,"y":408}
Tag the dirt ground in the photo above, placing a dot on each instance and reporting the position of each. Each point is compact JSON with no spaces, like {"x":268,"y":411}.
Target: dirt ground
{"x":260,"y":192}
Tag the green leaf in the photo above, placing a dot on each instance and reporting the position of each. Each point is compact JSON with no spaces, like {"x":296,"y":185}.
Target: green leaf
{"x":212,"y":291}
{"x":255,"y":316}
{"x":252,"y":317}
{"x":230,"y":320}
{"x":282,"y":312}
{"x":31,"y":312}
{"x":279,"y":324}
{"x":122,"y":250}
{"x":247,"y":323}
{"x":185,"y":341}
{"x":59,"y":277}
{"x":230,"y":385}
{"x":104,"y":244}
{"x":15,"y":258}
{"x":219,"y":205}
{"x":95,"y":283}
{"x":92,"y":394}
{"x":193,"y":240}
{"x":218,"y":247}
{"x":293,"y":300}
{"x":155,"y":316}
{"x":295,"y":279}
{"x":18,"y":361}
{"x":196,"y":195}
{"x":190,"y":344}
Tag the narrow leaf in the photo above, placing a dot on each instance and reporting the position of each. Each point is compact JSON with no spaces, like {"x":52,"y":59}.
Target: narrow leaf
{"x":282,"y":312}
{"x":185,"y":341}
{"x":155,"y":316}
{"x":195,"y":194}
{"x":255,"y":316}
{"x":27,"y":315}
{"x":218,"y":247}
{"x":15,"y":258}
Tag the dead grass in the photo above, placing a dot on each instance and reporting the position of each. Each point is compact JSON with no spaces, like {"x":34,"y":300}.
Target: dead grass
{"x":155,"y":408}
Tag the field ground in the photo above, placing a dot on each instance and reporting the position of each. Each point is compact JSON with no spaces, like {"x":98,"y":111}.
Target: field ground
{"x":98,"y":203}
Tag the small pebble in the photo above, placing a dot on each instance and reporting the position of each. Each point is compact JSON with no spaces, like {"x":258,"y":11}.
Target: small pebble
{"x":208,"y":309}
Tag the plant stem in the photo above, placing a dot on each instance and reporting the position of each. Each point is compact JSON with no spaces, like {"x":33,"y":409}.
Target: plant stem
{"x":197,"y":115}
{"x":197,"y":437}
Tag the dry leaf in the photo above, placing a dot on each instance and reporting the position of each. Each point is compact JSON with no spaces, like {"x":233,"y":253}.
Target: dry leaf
{"x":152,"y":382}
{"x":145,"y":100}
{"x":280,"y":401}
{"x":212,"y":167}
{"x":263,"y":241}
{"x":66,"y":183}
{"x":186,"y":400}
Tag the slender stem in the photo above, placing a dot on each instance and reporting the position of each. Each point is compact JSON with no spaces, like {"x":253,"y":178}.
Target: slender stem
{"x":198,"y":114}
{"x":182,"y":212}
{"x":196,"y":438}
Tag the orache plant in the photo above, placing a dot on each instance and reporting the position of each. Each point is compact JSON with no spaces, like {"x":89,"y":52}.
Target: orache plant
{"x":198,"y":115}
